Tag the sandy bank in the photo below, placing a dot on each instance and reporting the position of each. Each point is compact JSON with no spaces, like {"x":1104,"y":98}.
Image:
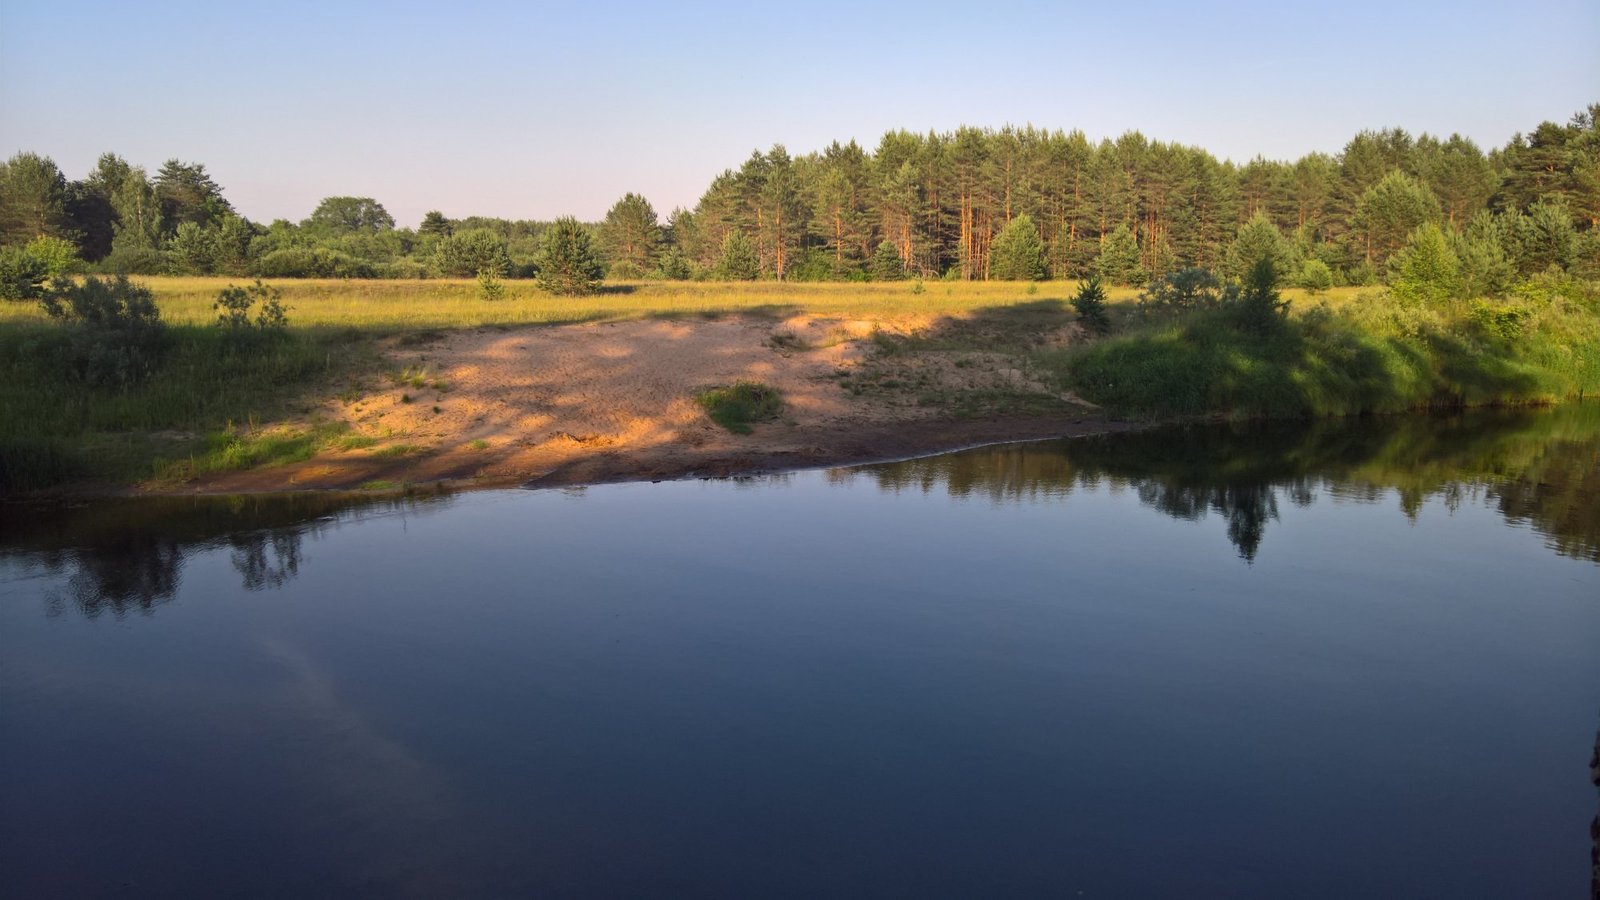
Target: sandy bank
{"x":610,"y":402}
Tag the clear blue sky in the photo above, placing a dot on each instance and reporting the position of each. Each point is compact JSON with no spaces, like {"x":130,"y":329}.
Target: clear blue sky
{"x":530,"y":112}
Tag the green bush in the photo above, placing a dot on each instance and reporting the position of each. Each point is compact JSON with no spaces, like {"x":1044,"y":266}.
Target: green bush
{"x":490,"y":287}
{"x":60,"y":257}
{"x":22,"y":275}
{"x":1371,"y":355}
{"x":115,"y":332}
{"x":134,"y":261}
{"x":737,"y":406}
{"x":1315,"y":276}
{"x":466,"y":253}
{"x":312,"y":262}
{"x":233,"y":305}
{"x":1499,"y":320}
{"x":1182,"y":290}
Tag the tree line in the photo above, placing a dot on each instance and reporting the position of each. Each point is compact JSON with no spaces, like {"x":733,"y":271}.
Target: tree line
{"x":1013,"y":203}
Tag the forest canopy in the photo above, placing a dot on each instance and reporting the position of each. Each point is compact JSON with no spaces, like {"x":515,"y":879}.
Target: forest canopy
{"x":975,"y":203}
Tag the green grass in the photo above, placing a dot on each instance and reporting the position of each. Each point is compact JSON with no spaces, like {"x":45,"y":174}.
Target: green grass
{"x":212,"y":404}
{"x":738,"y":405}
{"x":1368,"y":355}
{"x":423,"y":310}
{"x":54,"y":430}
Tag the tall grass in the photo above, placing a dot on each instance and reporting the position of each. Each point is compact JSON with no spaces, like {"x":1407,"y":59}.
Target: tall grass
{"x":398,"y":306}
{"x":54,"y":429}
{"x":1371,"y":354}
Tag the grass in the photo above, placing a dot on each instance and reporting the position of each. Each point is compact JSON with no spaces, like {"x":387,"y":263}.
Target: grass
{"x":1371,"y":354}
{"x":204,"y":404}
{"x":211,"y":406}
{"x":740,"y":404}
{"x":421,"y":311}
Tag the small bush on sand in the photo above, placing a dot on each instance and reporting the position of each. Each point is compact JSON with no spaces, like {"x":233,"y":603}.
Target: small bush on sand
{"x":737,"y":406}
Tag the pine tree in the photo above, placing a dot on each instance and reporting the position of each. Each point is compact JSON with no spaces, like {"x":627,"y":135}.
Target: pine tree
{"x":1017,"y":253}
{"x":738,"y":261}
{"x":1118,"y":262}
{"x":1255,"y":239}
{"x":568,"y":264}
{"x":1259,"y":309}
{"x":1426,"y":270}
{"x":1090,"y":302}
{"x":630,"y":236}
{"x":434,"y":224}
{"x":1390,"y":211}
{"x":887,"y":264}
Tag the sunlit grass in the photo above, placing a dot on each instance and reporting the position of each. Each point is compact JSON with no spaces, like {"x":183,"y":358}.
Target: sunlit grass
{"x":403,"y":306}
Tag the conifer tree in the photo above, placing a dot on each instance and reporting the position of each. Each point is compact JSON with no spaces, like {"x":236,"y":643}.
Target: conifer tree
{"x":738,"y":261}
{"x":1090,"y":302}
{"x":568,"y":264}
{"x":886,"y":263}
{"x":1017,"y":253}
{"x":1118,"y":262}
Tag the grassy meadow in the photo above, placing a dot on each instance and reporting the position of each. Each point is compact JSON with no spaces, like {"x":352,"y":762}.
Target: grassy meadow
{"x":206,"y":406}
{"x":393,"y":306}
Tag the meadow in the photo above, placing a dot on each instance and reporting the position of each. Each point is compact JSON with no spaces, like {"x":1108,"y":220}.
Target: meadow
{"x":394,"y":306}
{"x":211,"y":402}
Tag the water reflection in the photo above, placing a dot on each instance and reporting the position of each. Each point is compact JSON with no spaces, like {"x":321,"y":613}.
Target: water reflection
{"x":127,"y":555}
{"x":1594,"y":826}
{"x":1539,"y":467}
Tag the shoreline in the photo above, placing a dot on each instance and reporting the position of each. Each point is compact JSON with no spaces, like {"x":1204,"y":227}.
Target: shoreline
{"x":844,"y":447}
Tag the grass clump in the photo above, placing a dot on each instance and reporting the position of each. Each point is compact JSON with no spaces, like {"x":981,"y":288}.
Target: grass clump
{"x":738,"y":405}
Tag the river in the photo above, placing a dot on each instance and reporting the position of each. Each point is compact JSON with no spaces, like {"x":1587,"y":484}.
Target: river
{"x":1316,"y":660}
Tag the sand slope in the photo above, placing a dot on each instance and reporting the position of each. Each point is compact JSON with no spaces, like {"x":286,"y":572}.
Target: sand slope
{"x":614,"y":401}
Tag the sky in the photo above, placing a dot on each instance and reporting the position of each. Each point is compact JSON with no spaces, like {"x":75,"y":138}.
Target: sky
{"x":528,"y":110}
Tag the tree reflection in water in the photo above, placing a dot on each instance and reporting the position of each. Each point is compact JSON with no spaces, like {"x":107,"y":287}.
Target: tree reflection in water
{"x":267,"y":559}
{"x":1594,"y":826}
{"x":1539,"y":467}
{"x":127,"y":555}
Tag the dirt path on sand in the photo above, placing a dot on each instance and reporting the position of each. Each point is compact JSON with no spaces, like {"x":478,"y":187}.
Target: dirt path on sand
{"x":615,"y":401}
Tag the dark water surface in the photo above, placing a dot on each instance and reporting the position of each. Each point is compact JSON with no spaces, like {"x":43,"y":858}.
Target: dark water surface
{"x":1328,"y":661}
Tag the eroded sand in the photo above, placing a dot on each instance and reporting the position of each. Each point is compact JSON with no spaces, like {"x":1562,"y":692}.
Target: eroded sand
{"x":615,"y":401}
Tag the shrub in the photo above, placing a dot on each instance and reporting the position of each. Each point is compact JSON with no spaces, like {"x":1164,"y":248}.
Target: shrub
{"x":466,"y":253}
{"x":233,"y":305}
{"x":22,"y":275}
{"x":1315,"y":276}
{"x":735,"y":407}
{"x":117,"y":336}
{"x":58,"y":256}
{"x":1500,"y":321}
{"x":134,"y":261}
{"x":312,"y":262}
{"x":1182,"y":290}
{"x":490,"y":286}
{"x":673,"y":265}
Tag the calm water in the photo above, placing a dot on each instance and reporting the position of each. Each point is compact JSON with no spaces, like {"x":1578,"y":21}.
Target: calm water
{"x":1349,"y":660}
